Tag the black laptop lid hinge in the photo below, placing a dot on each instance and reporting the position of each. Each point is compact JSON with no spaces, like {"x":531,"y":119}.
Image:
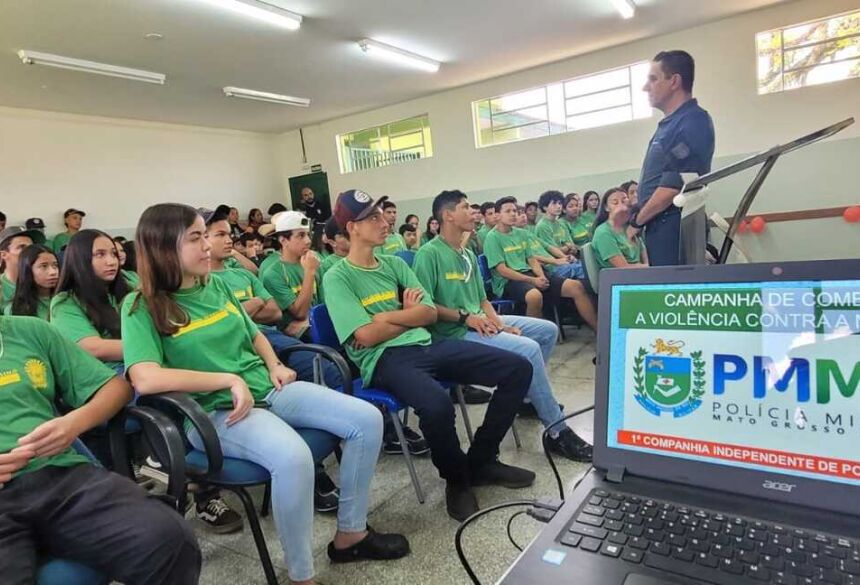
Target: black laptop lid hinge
{"x":615,"y":473}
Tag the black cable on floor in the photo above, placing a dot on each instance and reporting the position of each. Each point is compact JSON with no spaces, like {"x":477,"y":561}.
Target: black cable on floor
{"x":510,"y":535}
{"x":459,"y":534}
{"x":545,"y":442}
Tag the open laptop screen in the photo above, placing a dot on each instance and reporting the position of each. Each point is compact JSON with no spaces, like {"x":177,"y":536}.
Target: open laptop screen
{"x":755,"y":375}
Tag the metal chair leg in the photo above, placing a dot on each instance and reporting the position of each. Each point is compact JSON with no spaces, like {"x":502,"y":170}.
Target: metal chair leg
{"x":406,"y":416}
{"x":561,"y":335}
{"x":257,"y":532}
{"x":458,"y":389}
{"x":267,"y":501}
{"x":398,"y":428}
{"x":517,"y":441}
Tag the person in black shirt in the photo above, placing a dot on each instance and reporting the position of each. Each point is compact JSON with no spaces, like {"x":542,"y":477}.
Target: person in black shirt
{"x":313,"y":209}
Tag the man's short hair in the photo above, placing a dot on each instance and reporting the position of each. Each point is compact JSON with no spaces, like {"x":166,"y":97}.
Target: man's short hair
{"x":446,"y":200}
{"x":407,"y":227}
{"x":680,"y":62}
{"x":548,"y":197}
{"x":248,"y":237}
{"x":521,"y":208}
{"x":501,"y":202}
{"x":2,"y":216}
{"x":476,"y":206}
{"x":486,"y":206}
{"x":388,"y":205}
{"x":531,"y":204}
{"x":276,"y":208}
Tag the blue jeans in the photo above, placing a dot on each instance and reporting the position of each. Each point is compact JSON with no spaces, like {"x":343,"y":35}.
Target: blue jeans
{"x":535,"y":344}
{"x":302,"y":361}
{"x":267,"y":437}
{"x":573,"y":270}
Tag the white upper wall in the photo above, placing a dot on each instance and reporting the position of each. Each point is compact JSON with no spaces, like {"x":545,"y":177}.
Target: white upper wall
{"x":725,"y":85}
{"x":113,"y":169}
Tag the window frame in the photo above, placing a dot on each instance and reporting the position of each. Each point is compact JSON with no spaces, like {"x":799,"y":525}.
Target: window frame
{"x":426,"y":146}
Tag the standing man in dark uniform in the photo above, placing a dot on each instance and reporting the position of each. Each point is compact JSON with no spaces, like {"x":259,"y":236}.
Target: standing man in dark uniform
{"x":683,"y":143}
{"x":313,"y":209}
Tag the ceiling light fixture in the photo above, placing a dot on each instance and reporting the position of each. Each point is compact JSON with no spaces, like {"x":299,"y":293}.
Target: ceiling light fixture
{"x":625,"y":8}
{"x":36,"y":58}
{"x":266,"y":11}
{"x":264,"y":96}
{"x":396,"y":55}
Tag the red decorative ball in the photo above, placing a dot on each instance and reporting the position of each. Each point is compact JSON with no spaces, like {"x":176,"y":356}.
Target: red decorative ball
{"x":743,"y":226}
{"x":852,"y":214}
{"x":758,"y":224}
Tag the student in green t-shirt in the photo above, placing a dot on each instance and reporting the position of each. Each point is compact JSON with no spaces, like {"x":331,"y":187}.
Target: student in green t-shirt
{"x":549,"y":262}
{"x":531,"y":215}
{"x":550,"y":230}
{"x":518,"y":275}
{"x":13,"y":241}
{"x":572,"y":218}
{"x":590,"y":204}
{"x":394,"y":242}
{"x":294,"y":281}
{"x":91,"y":289}
{"x":73,"y":219}
{"x":380,"y":313}
{"x":337,"y":242}
{"x":611,"y":244}
{"x":186,"y":332}
{"x":450,"y":274}
{"x":54,"y":502}
{"x":432,"y":230}
{"x":38,"y":274}
{"x":488,"y":212}
{"x":130,"y":276}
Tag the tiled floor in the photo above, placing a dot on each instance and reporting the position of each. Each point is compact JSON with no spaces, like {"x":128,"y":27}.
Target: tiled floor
{"x":233,"y":559}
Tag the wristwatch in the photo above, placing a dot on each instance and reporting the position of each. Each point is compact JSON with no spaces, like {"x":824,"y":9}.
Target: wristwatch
{"x":463,"y":316}
{"x":633,"y":223}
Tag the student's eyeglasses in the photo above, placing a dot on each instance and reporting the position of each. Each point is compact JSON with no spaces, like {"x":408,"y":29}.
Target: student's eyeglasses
{"x":468,"y":266}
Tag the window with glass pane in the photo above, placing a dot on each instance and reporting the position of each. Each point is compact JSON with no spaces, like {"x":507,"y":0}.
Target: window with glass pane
{"x":381,"y":146}
{"x":594,"y":100}
{"x":811,"y":53}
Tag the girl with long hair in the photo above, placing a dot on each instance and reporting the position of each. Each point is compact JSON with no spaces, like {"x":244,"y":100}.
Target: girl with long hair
{"x":38,"y":274}
{"x":590,"y":205}
{"x":612,"y":247}
{"x":432,"y":230}
{"x":185,"y":332}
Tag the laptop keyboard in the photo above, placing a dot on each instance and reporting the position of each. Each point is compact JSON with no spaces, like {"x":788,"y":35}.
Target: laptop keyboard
{"x":707,"y":545}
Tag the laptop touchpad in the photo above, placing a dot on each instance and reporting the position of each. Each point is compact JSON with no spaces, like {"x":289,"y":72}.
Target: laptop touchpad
{"x":639,"y":579}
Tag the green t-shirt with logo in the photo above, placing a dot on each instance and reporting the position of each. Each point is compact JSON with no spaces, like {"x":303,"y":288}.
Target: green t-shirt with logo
{"x":43,"y":309}
{"x":7,"y":291}
{"x":284,"y":281}
{"x":608,"y":243}
{"x":354,"y":295}
{"x":243,"y":284}
{"x":509,"y":249}
{"x":578,"y":230}
{"x":37,"y":365}
{"x":131,"y":278}
{"x":587,"y":220}
{"x":552,"y":232}
{"x":482,"y":233}
{"x":69,"y":317}
{"x":328,"y":263}
{"x":453,"y":280}
{"x":60,"y":241}
{"x":219,"y":337}
{"x":393,"y":243}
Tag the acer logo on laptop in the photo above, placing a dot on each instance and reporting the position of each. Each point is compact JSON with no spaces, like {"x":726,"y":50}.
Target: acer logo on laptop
{"x":778,"y":486}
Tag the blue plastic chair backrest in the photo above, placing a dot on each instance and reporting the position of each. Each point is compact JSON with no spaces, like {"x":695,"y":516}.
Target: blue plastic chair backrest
{"x":322,"y":329}
{"x":408,"y":256}
{"x":484,"y":267}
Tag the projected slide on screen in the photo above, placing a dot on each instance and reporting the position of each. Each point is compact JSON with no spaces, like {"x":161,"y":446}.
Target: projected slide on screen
{"x":757,"y":375}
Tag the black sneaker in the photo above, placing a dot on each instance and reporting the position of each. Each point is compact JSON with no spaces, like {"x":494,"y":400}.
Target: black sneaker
{"x":460,"y":501}
{"x":326,"y":494}
{"x":417,"y":444}
{"x":497,"y":473}
{"x":527,"y":410}
{"x":571,"y":446}
{"x":218,"y":517}
{"x":472,"y":395}
{"x":373,"y":547}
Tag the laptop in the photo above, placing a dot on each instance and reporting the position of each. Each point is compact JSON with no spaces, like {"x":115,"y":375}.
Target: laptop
{"x":727,"y":433}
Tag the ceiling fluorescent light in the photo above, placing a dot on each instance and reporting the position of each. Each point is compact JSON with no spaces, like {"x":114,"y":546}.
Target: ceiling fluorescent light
{"x":625,"y":8}
{"x":264,"y":96}
{"x":393,"y":54}
{"x":265,"y":11}
{"x":35,"y":58}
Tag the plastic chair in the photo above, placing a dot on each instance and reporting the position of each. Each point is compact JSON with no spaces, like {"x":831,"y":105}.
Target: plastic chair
{"x":591,"y":268}
{"x":211,"y":467}
{"x":408,"y":256}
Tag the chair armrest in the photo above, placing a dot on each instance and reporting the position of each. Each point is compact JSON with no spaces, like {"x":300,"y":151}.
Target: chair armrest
{"x":182,"y":408}
{"x":326,"y":353}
